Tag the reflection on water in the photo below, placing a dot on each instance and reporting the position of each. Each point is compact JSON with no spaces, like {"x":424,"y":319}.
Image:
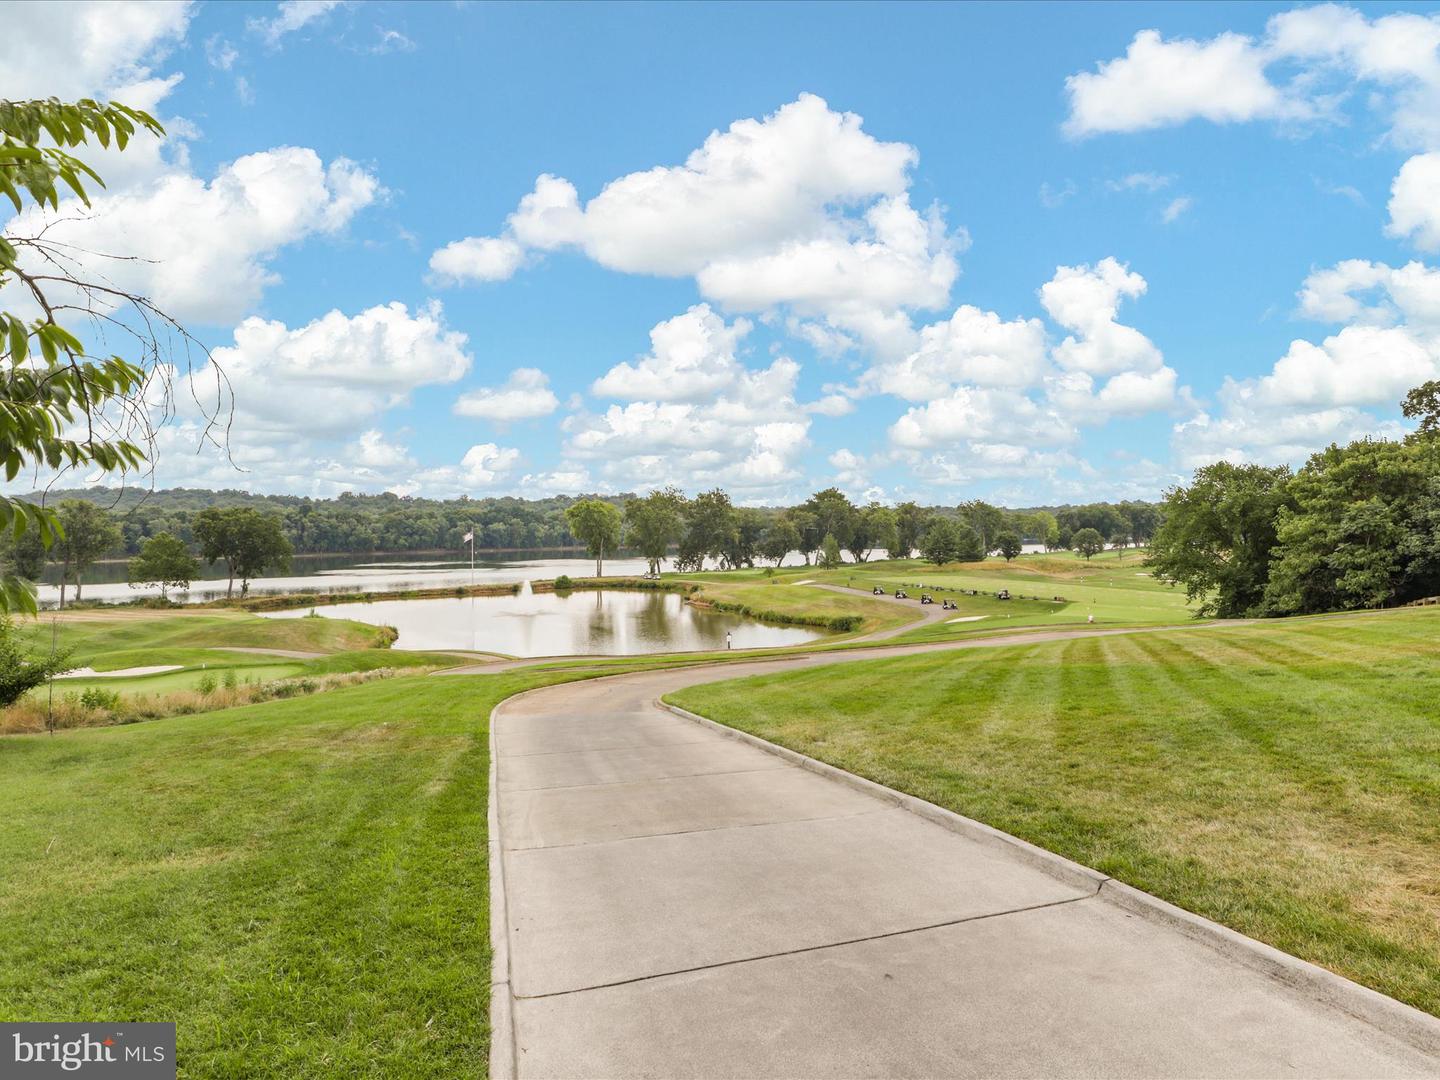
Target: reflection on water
{"x":614,"y":623}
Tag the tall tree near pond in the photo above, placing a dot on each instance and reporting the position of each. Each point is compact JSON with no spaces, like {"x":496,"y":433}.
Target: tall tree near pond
{"x":654,"y":523}
{"x":988,"y":521}
{"x":1218,"y":536}
{"x":88,"y":532}
{"x":1087,"y":543}
{"x":805,"y":528}
{"x":52,"y":384}
{"x":875,"y":527}
{"x":164,"y":561}
{"x":1009,"y":545}
{"x":596,"y":524}
{"x":248,"y":541}
{"x":780,"y":538}
{"x":909,"y":526}
{"x":744,"y":544}
{"x":833,"y":513}
{"x":711,"y":529}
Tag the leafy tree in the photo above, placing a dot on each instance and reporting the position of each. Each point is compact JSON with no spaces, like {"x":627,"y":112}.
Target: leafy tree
{"x":1142,"y":520}
{"x":22,"y":669}
{"x":1009,"y":545}
{"x":1218,"y":536}
{"x":1421,"y":546}
{"x":61,"y":407}
{"x":830,"y":553}
{"x":909,"y":525}
{"x":710,"y":529}
{"x":1120,"y":540}
{"x":987,"y":521}
{"x":873,"y":527}
{"x":654,"y":523}
{"x":968,"y":543}
{"x":596,"y":524}
{"x":1348,"y":538}
{"x":780,"y":538}
{"x":1423,"y":404}
{"x":1088,"y":542}
{"x":810,"y":537}
{"x":941,"y":542}
{"x":164,"y":561}
{"x":1051,"y":539}
{"x":744,"y":543}
{"x":248,"y":541}
{"x":834,"y":515}
{"x":88,"y":532}
{"x":23,"y":556}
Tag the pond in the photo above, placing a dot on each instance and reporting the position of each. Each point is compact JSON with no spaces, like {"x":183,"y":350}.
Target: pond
{"x":597,"y":622}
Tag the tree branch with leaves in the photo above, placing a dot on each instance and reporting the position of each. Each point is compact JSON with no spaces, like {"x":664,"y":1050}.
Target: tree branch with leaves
{"x":62,"y":407}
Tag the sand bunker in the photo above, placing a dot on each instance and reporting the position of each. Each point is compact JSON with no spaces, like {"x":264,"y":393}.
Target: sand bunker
{"x":119,"y":673}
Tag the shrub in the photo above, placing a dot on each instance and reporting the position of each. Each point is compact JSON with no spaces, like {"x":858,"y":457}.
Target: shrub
{"x":231,"y":681}
{"x":563,"y":581}
{"x":207,"y":684}
{"x":97,"y":698}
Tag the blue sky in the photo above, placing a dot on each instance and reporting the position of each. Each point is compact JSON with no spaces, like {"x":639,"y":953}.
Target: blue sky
{"x":1035,"y":253}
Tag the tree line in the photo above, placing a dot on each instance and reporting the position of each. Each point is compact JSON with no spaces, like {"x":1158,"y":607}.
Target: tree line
{"x":710,"y":526}
{"x":1356,"y":527}
{"x":165,"y":532}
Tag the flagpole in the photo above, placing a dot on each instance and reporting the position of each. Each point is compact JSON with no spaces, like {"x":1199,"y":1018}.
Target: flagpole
{"x":472,"y":555}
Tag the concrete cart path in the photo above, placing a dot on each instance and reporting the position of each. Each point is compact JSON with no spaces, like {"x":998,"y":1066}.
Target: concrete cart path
{"x":672,"y":901}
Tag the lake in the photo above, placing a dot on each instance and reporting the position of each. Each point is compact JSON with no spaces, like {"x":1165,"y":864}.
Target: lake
{"x":347,"y":573}
{"x":587,"y":622}
{"x":342,"y":573}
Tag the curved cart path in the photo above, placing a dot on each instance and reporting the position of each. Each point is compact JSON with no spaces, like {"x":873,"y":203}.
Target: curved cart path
{"x":671,"y":900}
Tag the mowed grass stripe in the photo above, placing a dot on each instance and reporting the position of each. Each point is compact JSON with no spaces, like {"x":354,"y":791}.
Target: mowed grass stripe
{"x":1281,"y":778}
{"x":300,"y":885}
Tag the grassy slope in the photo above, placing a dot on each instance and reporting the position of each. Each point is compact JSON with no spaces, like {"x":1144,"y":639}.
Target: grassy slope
{"x":1115,"y":589}
{"x":781,"y":596}
{"x":1283,"y":778}
{"x":161,"y":634}
{"x":301,"y":885}
{"x":112,"y":640}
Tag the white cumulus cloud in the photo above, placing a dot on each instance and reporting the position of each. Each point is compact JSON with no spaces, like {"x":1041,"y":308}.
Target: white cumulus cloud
{"x":525,"y":395}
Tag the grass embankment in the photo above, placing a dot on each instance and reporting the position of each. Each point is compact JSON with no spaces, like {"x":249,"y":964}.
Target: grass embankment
{"x":103,"y":636}
{"x":301,"y":885}
{"x":1280,"y":778}
{"x":1114,"y":588}
{"x":212,"y":671}
{"x":779,"y":600}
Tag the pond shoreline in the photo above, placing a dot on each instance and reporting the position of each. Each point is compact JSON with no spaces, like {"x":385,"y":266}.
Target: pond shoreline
{"x":628,"y":616}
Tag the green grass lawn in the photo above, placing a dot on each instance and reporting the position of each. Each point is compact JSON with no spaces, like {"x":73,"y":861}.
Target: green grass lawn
{"x":106,"y":639}
{"x":1115,"y":589}
{"x":781,"y":596}
{"x":301,"y":885}
{"x":205,"y":644}
{"x":247,"y":668}
{"x":1282,"y":778}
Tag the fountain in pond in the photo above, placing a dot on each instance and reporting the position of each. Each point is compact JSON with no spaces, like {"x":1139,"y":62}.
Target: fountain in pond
{"x":525,"y":589}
